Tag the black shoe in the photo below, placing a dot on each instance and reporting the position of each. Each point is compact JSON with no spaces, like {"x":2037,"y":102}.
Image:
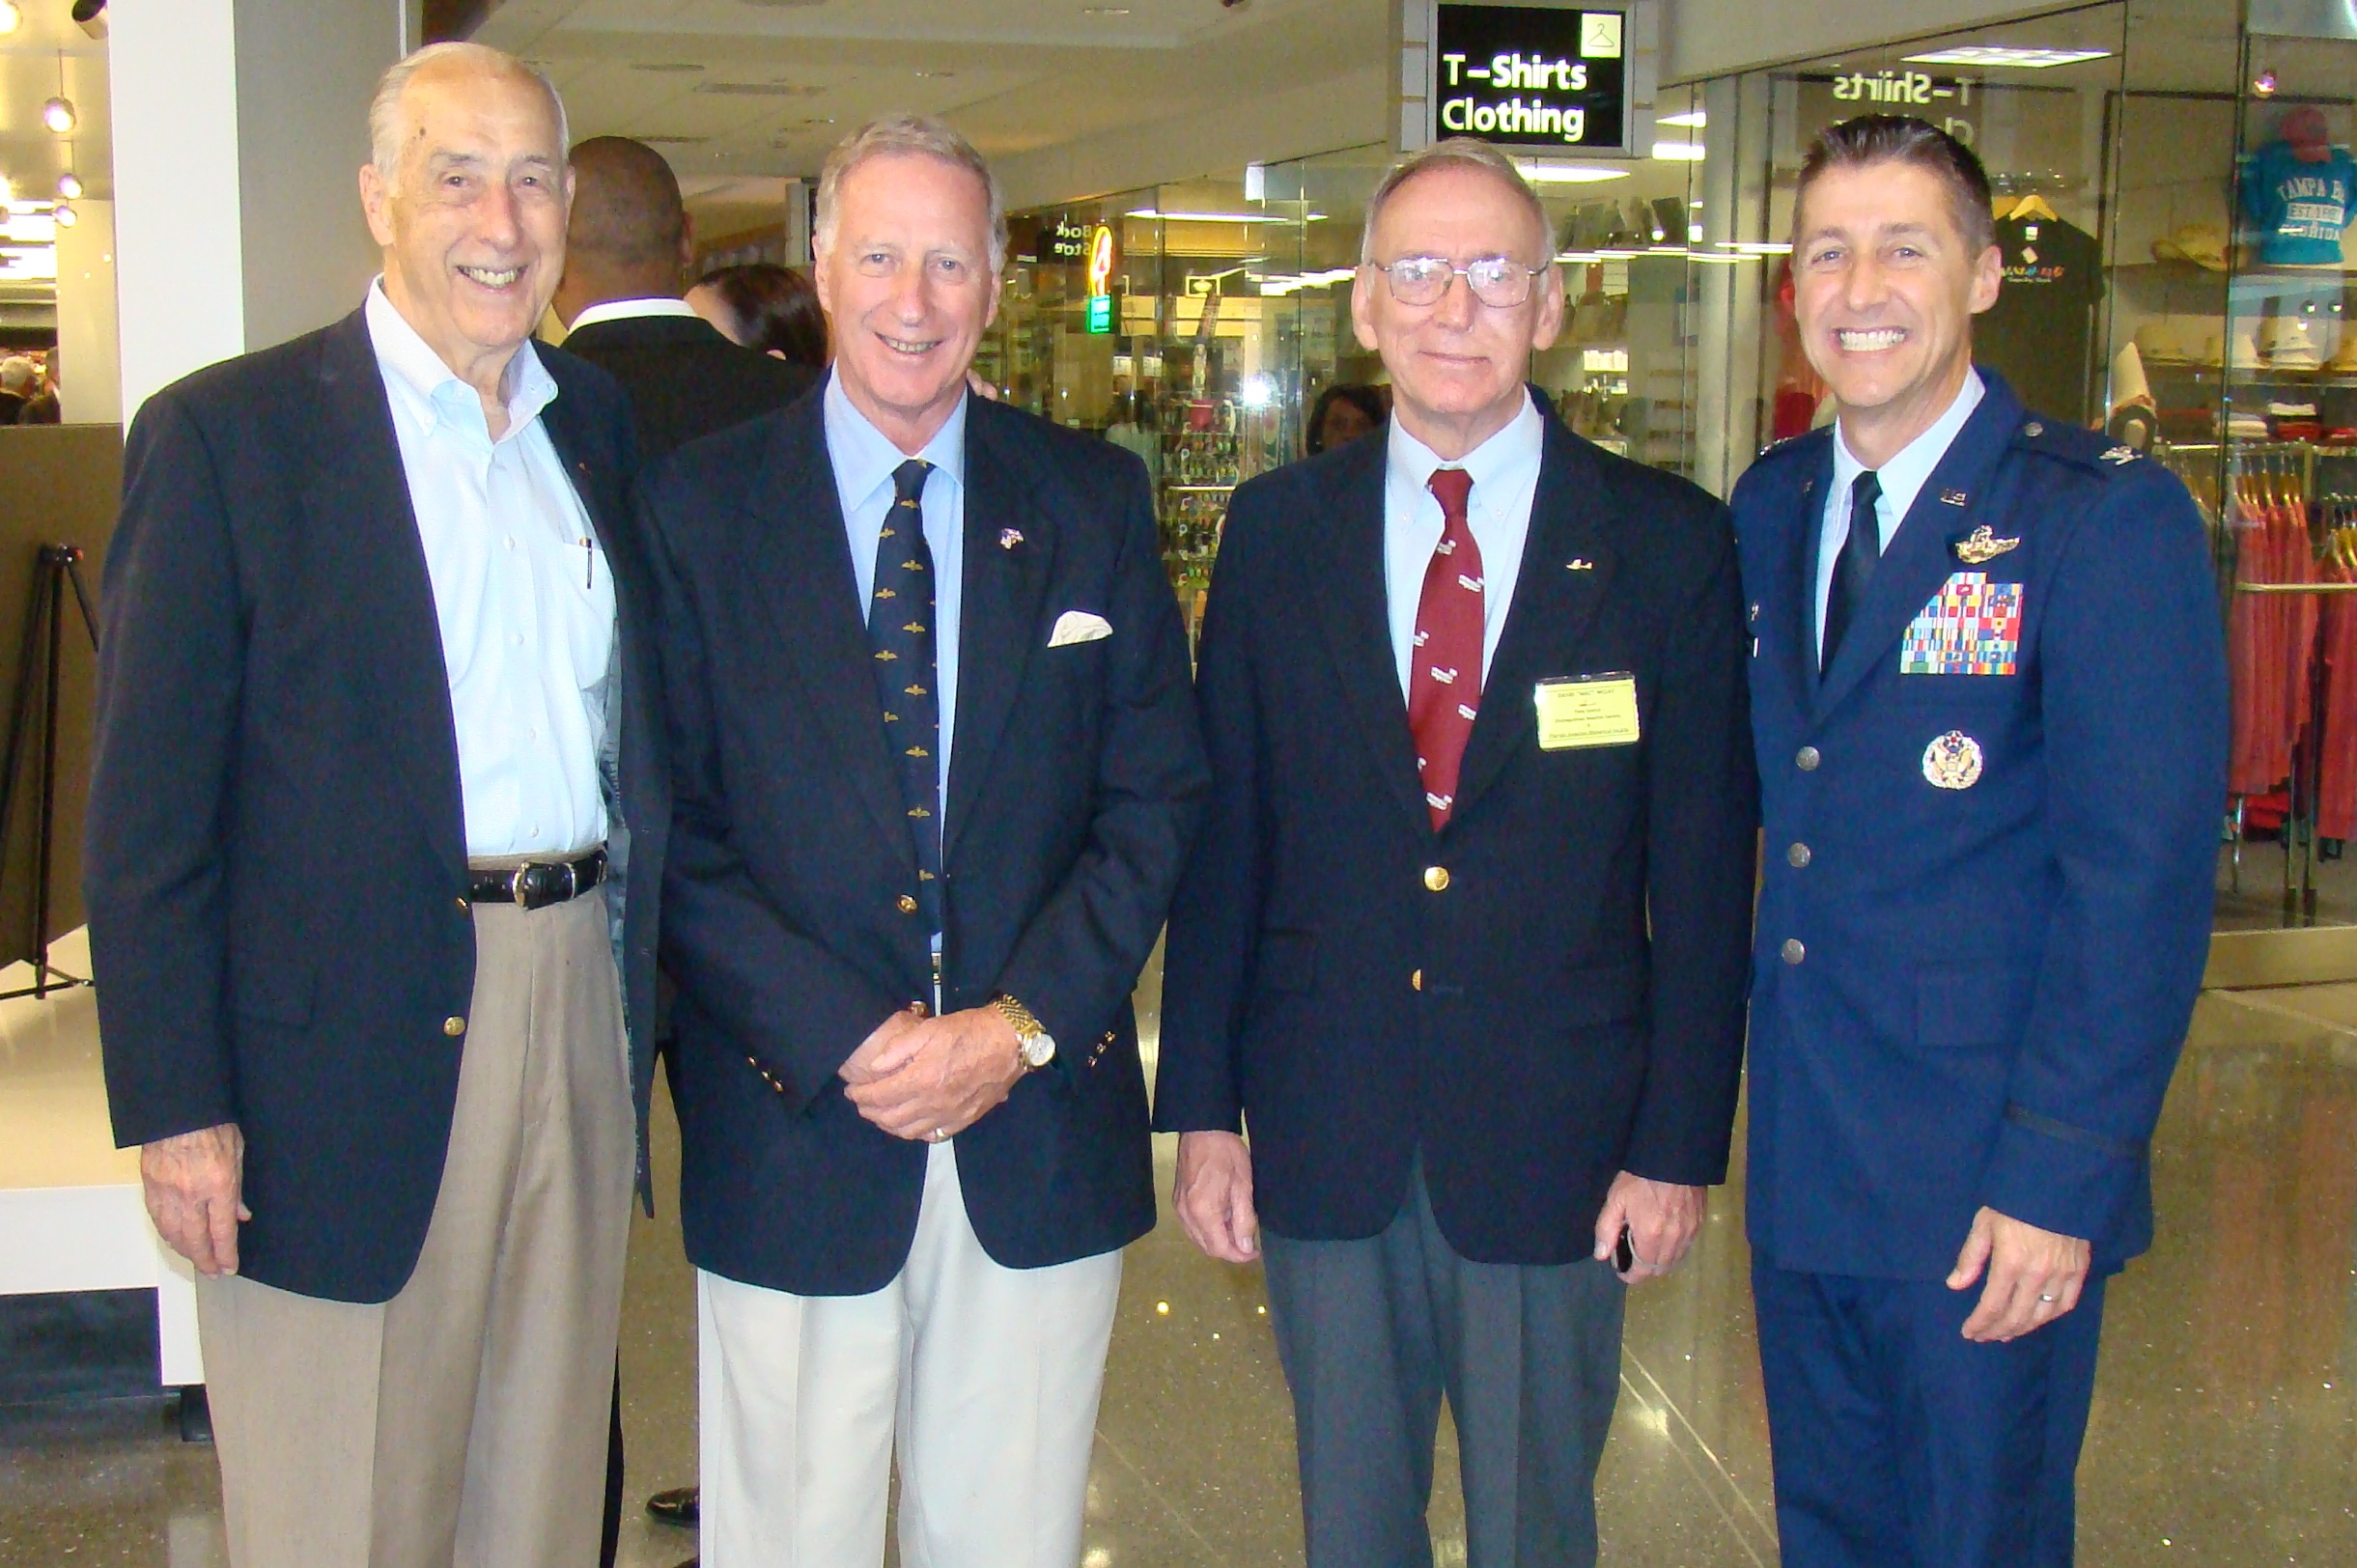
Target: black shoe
{"x":677,"y":1506}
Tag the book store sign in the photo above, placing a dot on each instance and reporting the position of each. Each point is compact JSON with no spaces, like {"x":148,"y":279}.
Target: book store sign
{"x":1539,"y":79}
{"x":1065,"y":240}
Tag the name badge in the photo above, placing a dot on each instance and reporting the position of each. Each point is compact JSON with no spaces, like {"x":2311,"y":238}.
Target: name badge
{"x":1577,"y":710}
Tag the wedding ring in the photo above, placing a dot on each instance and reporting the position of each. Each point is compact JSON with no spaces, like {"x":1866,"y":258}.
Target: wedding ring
{"x":941,"y":1134}
{"x":2047,"y":1299}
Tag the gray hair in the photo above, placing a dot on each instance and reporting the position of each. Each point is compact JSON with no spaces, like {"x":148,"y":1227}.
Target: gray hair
{"x":1456,"y":152}
{"x":919,"y":133}
{"x":384,"y":128}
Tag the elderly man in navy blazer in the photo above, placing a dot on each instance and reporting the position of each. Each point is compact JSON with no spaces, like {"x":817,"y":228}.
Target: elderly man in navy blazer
{"x":937,"y":767}
{"x":1989,"y":693}
{"x":1464,"y":938}
{"x":377,"y":760}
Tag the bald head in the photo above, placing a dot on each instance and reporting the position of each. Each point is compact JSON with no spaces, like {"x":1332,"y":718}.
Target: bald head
{"x":629,"y":236}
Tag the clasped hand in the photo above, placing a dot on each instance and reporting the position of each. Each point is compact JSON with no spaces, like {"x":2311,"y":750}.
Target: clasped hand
{"x":927,"y":1077}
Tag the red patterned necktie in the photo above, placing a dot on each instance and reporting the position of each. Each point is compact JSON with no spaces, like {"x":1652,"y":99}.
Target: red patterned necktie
{"x":1445,"y":669}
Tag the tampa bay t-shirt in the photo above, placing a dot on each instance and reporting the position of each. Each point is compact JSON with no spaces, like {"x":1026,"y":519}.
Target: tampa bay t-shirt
{"x":2038,"y":333}
{"x":2297,"y":209}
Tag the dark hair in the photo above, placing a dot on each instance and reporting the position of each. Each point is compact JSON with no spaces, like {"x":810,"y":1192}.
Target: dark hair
{"x":626,"y":203}
{"x":775,"y":308}
{"x":1898,"y":138}
{"x":1365,"y":399}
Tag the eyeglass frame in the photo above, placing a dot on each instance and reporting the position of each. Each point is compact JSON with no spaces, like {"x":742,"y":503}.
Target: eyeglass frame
{"x":1529,"y":277}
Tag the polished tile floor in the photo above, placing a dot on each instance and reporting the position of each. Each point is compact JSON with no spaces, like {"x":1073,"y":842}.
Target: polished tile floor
{"x":2224,"y":1429}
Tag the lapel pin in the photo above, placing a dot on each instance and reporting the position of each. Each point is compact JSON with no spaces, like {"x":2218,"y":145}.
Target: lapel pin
{"x":1009,"y":537}
{"x":1579,"y":565}
{"x":1955,"y":497}
{"x":2120,"y":454}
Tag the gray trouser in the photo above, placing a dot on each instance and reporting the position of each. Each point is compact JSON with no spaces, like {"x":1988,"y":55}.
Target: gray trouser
{"x":1372,"y":1332}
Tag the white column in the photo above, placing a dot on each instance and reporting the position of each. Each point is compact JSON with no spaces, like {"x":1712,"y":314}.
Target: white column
{"x":89,"y":347}
{"x":240,"y":127}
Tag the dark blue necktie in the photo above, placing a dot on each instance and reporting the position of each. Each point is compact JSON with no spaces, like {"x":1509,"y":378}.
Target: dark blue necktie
{"x":900,"y":631}
{"x":1854,"y":566}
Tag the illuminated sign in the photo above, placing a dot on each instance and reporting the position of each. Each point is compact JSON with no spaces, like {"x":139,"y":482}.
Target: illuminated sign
{"x":1064,"y":240}
{"x":1100,"y":259}
{"x":1099,"y":313}
{"x":1530,"y":77}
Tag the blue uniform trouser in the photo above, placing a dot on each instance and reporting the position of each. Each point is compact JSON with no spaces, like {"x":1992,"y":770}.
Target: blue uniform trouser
{"x":1899,"y":1443}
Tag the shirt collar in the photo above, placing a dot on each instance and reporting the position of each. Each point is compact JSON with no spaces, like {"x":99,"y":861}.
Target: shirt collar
{"x":1910,"y":468}
{"x":864,"y":457}
{"x":623,"y":310}
{"x":436,"y":395}
{"x":1519,"y":444}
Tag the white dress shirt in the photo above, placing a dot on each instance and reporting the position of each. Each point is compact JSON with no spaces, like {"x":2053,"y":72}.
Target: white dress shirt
{"x":520,"y":589}
{"x":1902,"y":479}
{"x":1505,"y":479}
{"x":624,"y":310}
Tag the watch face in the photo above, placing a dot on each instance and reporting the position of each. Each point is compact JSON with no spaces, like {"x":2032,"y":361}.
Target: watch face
{"x":1038,"y":1049}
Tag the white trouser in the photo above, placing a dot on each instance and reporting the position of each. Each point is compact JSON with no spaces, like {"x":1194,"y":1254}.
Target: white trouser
{"x":987,"y":1376}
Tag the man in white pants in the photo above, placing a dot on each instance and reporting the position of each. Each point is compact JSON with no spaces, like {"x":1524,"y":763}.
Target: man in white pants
{"x":939,"y":767}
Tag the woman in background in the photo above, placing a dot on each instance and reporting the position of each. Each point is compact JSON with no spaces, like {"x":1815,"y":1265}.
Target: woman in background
{"x":762,"y":305}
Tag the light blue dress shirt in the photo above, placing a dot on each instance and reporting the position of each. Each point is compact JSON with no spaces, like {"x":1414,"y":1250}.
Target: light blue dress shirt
{"x":863,"y":460}
{"x":1903,"y":478}
{"x":520,"y":590}
{"x":1505,"y":469}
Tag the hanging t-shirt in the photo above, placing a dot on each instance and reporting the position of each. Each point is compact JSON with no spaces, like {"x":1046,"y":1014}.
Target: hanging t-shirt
{"x":2039,"y":333}
{"x":2297,"y":209}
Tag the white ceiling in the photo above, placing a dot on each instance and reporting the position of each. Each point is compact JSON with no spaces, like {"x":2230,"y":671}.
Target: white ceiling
{"x":742,"y":88}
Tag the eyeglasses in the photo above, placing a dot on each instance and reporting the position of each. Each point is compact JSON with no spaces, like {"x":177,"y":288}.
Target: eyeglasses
{"x":1423,"y":280}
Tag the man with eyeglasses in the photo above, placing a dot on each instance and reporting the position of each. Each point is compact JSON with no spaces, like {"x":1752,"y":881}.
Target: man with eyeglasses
{"x":1464,"y":938}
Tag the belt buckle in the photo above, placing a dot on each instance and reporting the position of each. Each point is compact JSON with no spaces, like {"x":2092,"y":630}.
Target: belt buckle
{"x":515,"y":885}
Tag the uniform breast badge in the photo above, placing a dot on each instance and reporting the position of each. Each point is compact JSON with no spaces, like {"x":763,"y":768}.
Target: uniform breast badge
{"x":1983,"y":546}
{"x":1952,"y":761}
{"x":2120,"y":456}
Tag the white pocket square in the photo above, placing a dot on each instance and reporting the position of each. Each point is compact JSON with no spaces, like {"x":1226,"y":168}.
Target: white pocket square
{"x":1079,"y":626}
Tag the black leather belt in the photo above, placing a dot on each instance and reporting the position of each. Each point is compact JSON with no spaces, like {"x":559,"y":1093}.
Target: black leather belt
{"x":537,"y":884}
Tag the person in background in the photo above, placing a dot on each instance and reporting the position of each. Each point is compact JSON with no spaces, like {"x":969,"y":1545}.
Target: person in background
{"x":19,"y":381}
{"x":1463,"y":940}
{"x":939,"y":768}
{"x":764,"y":306}
{"x":1988,"y":694}
{"x":626,"y":248}
{"x":378,"y":805}
{"x":1342,"y":413}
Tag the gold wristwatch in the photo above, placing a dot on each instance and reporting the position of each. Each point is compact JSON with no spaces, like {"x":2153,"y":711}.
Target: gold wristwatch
{"x":1034,"y":1046}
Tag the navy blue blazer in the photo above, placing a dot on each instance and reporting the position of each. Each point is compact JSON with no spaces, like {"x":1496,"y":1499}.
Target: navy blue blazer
{"x":1972,"y":992}
{"x":1075,"y":788}
{"x":1567,"y":1002}
{"x":277,"y":866}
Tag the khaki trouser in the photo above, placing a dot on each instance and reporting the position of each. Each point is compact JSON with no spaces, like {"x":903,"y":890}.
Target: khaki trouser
{"x":461,"y":1424}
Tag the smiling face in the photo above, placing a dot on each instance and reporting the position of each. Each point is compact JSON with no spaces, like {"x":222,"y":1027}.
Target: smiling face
{"x":1456,"y":365}
{"x":472,"y":221}
{"x":1885,"y":287}
{"x":907,"y":289}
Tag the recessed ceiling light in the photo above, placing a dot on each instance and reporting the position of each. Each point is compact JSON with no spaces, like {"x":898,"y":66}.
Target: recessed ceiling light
{"x":58,"y":114}
{"x":66,"y":217}
{"x":1678,"y":151}
{"x":1695,"y":118}
{"x":1104,"y":11}
{"x":1219,"y":218}
{"x":69,"y":185}
{"x":2002,"y":54}
{"x":938,"y":76}
{"x":758,"y":89}
{"x":10,"y":17}
{"x":665,"y":66}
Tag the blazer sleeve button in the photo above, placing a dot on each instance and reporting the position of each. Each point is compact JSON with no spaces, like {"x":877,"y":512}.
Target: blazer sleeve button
{"x":906,"y":902}
{"x":454,"y":1027}
{"x":1436,"y":877}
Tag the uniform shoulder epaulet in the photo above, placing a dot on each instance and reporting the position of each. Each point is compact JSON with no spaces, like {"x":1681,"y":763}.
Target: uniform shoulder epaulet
{"x":2074,"y":444}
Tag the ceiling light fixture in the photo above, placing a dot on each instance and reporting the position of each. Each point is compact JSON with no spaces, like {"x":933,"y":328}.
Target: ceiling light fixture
{"x":2003,"y":54}
{"x":1692,"y":118}
{"x":1219,"y":218}
{"x":58,"y":113}
{"x":65,"y":216}
{"x":8,"y":191}
{"x":11,"y":17}
{"x":1678,"y":151}
{"x":1104,"y":11}
{"x":1568,"y":173}
{"x":70,"y":186}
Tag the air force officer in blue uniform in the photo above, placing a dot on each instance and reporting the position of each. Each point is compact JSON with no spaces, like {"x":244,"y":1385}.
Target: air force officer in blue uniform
{"x":1989,"y":695}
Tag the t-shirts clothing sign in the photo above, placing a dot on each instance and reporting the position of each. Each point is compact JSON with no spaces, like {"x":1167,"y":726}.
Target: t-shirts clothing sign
{"x":2041,"y":332}
{"x":2297,"y":209}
